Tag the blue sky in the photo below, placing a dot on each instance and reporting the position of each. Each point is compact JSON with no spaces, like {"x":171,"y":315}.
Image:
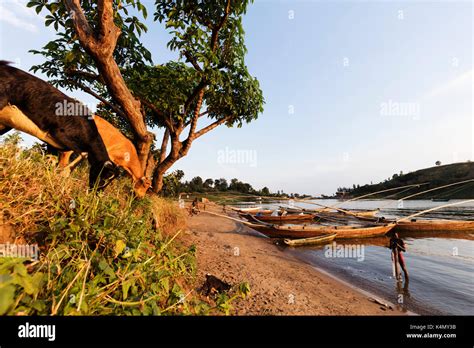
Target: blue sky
{"x":355,"y":90}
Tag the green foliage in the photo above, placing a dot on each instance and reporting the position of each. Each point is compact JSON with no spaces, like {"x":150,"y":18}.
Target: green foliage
{"x":232,"y":92}
{"x":216,"y":50}
{"x":65,"y":56}
{"x":12,"y":139}
{"x":168,"y":86}
{"x":172,"y":185}
{"x":224,"y":301}
{"x":100,"y":253}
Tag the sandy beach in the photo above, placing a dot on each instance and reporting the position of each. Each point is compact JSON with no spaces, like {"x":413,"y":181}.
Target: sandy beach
{"x":280,"y":284}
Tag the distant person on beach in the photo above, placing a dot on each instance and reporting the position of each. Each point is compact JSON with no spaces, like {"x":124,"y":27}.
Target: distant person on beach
{"x":397,"y":245}
{"x":194,"y":207}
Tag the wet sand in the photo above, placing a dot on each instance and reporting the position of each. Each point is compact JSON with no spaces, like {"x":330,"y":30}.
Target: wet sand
{"x":280,"y":283}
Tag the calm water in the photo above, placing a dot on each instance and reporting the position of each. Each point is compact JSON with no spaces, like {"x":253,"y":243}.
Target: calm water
{"x":441,"y":265}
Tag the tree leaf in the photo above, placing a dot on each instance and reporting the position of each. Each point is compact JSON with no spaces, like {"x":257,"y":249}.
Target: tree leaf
{"x":7,"y":294}
{"x":119,"y":247}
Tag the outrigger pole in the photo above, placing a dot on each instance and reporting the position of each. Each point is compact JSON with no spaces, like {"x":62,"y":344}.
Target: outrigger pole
{"x":435,"y":208}
{"x":436,"y":188}
{"x":356,"y":198}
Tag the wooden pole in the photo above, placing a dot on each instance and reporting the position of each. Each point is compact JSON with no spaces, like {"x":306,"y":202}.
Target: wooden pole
{"x":387,"y":190}
{"x":436,"y":188}
{"x":332,"y":207}
{"x":433,"y":209}
{"x":231,"y":218}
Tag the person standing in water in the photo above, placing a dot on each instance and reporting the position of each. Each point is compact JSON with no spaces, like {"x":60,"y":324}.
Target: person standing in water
{"x":397,"y":245}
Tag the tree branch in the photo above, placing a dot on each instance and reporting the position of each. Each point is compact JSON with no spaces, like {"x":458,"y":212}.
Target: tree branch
{"x":108,"y":31}
{"x":211,"y":126}
{"x":164,"y":145}
{"x":215,"y":30}
{"x":200,"y":115}
{"x":192,"y":60}
{"x":194,"y":94}
{"x":114,"y":107}
{"x":192,"y":128}
{"x":151,"y":106}
{"x":85,"y":74}
{"x":157,"y":112}
{"x":81,"y":25}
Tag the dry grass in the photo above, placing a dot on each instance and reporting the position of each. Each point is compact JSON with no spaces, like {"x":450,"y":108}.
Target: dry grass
{"x":100,"y":253}
{"x":167,"y":215}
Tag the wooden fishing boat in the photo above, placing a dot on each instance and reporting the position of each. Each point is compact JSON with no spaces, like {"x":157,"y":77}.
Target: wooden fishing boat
{"x":335,"y":211}
{"x":265,"y":212}
{"x":286,"y":218}
{"x":364,"y":213}
{"x":293,"y":210}
{"x":253,"y":210}
{"x":307,"y":231}
{"x":325,"y":238}
{"x":435,"y":225}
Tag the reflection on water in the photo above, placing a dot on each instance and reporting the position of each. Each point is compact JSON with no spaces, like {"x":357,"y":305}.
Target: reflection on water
{"x":440,"y":264}
{"x":441,"y":272}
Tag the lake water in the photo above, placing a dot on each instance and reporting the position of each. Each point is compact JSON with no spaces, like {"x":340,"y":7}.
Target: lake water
{"x":440,"y":265}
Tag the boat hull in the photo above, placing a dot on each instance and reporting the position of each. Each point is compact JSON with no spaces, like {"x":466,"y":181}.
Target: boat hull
{"x":286,"y":218}
{"x":307,"y":231}
{"x":435,"y":225}
{"x":326,"y":238}
{"x":247,"y":210}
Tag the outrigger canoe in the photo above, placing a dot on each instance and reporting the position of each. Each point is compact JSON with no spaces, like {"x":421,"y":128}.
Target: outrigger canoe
{"x":286,"y":218}
{"x":435,"y":225}
{"x":247,"y":210}
{"x":338,"y":212}
{"x":308,"y":231}
{"x":363,"y":213}
{"x":325,"y":238}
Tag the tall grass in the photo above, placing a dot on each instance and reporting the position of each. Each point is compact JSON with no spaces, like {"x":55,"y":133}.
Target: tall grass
{"x":100,"y":253}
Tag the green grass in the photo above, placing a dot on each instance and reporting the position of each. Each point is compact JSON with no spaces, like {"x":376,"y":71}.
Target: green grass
{"x":100,"y":253}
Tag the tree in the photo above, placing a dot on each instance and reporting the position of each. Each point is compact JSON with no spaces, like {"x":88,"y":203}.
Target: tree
{"x":196,"y":184}
{"x":172,"y":186}
{"x":265,"y":191}
{"x":234,"y":184}
{"x":438,"y":163}
{"x":99,"y":51}
{"x":221,"y":184}
{"x":208,"y":183}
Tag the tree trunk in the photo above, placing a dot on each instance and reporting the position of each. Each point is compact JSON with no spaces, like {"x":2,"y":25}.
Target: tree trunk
{"x":166,"y":164}
{"x":100,"y":44}
{"x":110,"y":72}
{"x":160,"y":171}
{"x":158,"y":181}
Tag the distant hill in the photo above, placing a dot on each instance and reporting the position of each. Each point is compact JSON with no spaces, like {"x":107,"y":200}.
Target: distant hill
{"x":436,"y":176}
